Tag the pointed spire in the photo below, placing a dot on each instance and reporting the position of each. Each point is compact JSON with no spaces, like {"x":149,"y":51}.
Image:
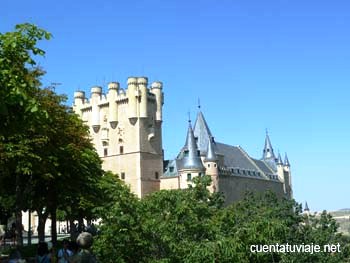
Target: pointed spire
{"x":191,"y":158}
{"x":286,"y":161}
{"x":211,"y":155}
{"x":306,"y":207}
{"x":268,"y":150}
{"x":279,"y":160}
{"x":202,"y":132}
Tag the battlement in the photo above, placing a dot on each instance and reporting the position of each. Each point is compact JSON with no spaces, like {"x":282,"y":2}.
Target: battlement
{"x":137,"y":95}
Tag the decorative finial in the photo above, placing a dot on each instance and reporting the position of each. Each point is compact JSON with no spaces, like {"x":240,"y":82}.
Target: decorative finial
{"x":267,"y":132}
{"x":189,"y":116}
{"x":199,"y":104}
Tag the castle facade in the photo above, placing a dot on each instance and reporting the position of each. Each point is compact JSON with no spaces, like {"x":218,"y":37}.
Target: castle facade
{"x":126,"y":129}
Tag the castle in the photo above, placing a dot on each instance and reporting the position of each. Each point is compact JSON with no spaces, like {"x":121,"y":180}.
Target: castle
{"x":126,"y":129}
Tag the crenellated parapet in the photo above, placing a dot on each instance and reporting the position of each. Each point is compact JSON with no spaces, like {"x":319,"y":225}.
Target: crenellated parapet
{"x":141,"y":102}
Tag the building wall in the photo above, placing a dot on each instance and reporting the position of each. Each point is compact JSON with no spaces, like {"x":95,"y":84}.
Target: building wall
{"x":167,"y":183}
{"x":235,"y":187}
{"x":126,"y":130}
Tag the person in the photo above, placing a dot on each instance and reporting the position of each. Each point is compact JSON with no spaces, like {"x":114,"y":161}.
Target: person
{"x":13,"y":233}
{"x":84,"y":242}
{"x":15,"y":257}
{"x":64,"y":253}
{"x":43,"y":253}
{"x":75,"y":249}
{"x":52,"y":252}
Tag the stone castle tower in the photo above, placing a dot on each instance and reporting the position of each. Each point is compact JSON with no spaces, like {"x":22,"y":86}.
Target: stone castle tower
{"x":126,"y":129}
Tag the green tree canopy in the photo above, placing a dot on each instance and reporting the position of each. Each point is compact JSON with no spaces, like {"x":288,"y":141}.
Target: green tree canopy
{"x":191,"y":225}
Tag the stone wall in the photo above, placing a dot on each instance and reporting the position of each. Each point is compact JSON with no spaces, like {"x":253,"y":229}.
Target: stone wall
{"x":235,"y":187}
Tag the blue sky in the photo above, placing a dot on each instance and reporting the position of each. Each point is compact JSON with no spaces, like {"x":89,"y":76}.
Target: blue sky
{"x":282,"y":65}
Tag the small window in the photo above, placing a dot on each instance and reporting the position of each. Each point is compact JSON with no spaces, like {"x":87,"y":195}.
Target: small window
{"x":199,"y":174}
{"x":189,"y":177}
{"x":208,"y":165}
{"x":198,"y":153}
{"x":215,"y":165}
{"x":121,"y":149}
{"x":237,"y":171}
{"x":171,"y":169}
{"x":156,"y":175}
{"x":122,"y":175}
{"x":186,"y":153}
{"x":244,"y":172}
{"x":105,"y":152}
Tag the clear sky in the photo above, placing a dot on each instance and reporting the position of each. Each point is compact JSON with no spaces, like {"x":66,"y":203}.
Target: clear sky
{"x":282,"y":65}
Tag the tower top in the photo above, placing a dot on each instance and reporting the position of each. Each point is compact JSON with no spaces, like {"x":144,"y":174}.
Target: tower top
{"x":306,"y":207}
{"x":202,"y":132}
{"x":157,"y":85}
{"x":96,"y":89}
{"x":279,"y":160}
{"x":211,"y":155}
{"x":286,"y":161}
{"x":113,"y":85}
{"x":268,"y":153}
{"x":191,"y":158}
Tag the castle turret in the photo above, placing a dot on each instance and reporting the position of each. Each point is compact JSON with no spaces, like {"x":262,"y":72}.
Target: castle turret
{"x":156,"y":89}
{"x":124,"y":132}
{"x":190,"y":161}
{"x":113,"y":107}
{"x":287,"y":177}
{"x":142,"y":86}
{"x":268,"y":153}
{"x":96,"y":93}
{"x":132,"y":97}
{"x":211,"y":165}
{"x":280,"y":172}
{"x":79,"y":100}
{"x":280,"y":168}
{"x":286,"y":161}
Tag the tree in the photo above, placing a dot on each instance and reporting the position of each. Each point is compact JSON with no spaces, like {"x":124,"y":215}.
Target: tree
{"x":121,"y":233}
{"x":19,"y":80}
{"x":69,"y":168}
{"x":191,"y":225}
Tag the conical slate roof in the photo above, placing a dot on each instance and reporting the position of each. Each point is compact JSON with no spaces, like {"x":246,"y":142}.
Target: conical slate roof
{"x":211,"y":155}
{"x":190,"y":157}
{"x":306,"y":207}
{"x":268,"y":150}
{"x":279,"y":160}
{"x":286,"y":161}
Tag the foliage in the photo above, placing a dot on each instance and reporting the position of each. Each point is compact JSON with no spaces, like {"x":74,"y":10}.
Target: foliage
{"x":121,"y":239}
{"x":192,"y":226}
{"x":47,"y":160}
{"x":19,"y":81}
